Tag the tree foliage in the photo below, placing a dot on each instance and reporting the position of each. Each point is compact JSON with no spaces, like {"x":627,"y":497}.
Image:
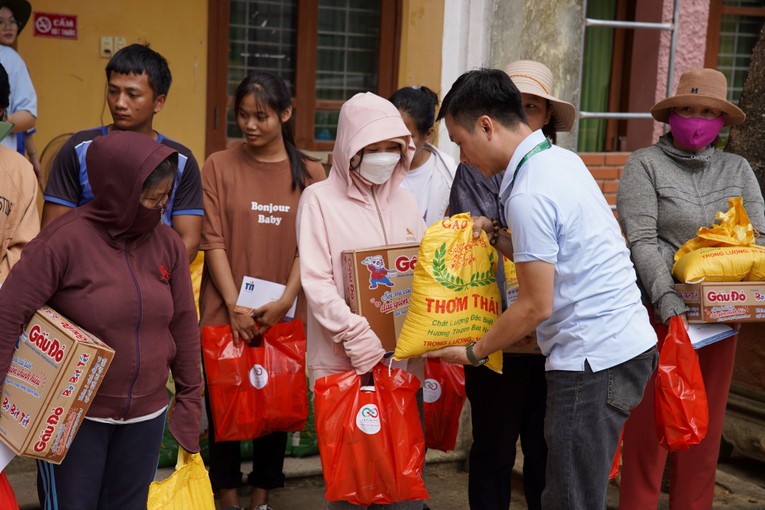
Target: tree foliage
{"x":748,"y":138}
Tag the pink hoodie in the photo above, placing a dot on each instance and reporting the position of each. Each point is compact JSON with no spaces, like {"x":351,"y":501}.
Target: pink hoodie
{"x":343,"y":213}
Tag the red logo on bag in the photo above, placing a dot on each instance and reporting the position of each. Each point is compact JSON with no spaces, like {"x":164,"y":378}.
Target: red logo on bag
{"x":404,"y":263}
{"x":258,"y":377}
{"x":165,"y":273}
{"x":369,"y":412}
{"x":725,"y":296}
{"x":450,"y":224}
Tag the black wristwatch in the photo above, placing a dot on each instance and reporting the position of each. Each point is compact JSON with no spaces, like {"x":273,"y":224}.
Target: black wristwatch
{"x":471,"y":357}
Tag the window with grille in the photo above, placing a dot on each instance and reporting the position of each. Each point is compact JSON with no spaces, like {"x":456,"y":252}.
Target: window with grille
{"x":325,"y":50}
{"x":734,"y":27}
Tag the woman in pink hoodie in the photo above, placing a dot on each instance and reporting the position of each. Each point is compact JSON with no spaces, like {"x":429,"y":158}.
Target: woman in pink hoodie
{"x":360,"y":205}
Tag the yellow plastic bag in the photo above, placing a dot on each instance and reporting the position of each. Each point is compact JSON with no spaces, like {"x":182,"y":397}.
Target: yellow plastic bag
{"x":724,"y":252}
{"x":188,"y":488}
{"x":733,"y":229}
{"x":196,"y":276}
{"x":455,"y":298}
{"x":721,"y":264}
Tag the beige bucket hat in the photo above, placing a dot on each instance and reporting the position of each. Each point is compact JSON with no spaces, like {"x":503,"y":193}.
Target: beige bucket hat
{"x":700,"y":87}
{"x":535,"y":78}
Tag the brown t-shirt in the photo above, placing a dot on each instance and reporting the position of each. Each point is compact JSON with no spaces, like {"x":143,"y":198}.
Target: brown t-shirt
{"x":250,"y":211}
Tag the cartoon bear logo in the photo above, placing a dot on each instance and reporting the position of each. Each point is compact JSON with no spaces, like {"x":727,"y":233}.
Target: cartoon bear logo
{"x":378,"y":274}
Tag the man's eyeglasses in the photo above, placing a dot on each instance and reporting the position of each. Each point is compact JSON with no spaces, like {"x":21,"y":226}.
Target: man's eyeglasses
{"x":9,"y":22}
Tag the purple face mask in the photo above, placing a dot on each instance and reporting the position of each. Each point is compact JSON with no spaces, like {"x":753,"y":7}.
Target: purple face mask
{"x":694,"y":133}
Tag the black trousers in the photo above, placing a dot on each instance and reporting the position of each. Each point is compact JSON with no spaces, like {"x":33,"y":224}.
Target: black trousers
{"x":504,"y":407}
{"x":225,"y":459}
{"x":107,"y":466}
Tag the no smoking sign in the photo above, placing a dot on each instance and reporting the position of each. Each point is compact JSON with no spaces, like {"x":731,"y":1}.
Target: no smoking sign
{"x":62,"y":26}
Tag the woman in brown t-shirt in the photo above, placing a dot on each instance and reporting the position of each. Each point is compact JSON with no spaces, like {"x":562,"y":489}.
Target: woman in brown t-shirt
{"x":251,"y":194}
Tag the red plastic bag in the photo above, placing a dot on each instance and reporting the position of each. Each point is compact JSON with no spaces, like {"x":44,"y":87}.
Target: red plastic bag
{"x":444,"y":395}
{"x":370,"y":437}
{"x":616,"y":463}
{"x":682,"y":413}
{"x":256,"y":390}
{"x":7,"y":497}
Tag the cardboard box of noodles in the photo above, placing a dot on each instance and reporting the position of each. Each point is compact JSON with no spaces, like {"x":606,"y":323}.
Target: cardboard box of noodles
{"x":55,"y":373}
{"x":378,"y":284}
{"x":724,"y":301}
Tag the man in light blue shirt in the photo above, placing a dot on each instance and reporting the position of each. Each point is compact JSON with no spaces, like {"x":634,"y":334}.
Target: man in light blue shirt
{"x":578,"y":286}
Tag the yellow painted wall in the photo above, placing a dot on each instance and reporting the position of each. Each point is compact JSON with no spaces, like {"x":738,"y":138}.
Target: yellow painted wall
{"x":69,"y":75}
{"x":421,"y":35}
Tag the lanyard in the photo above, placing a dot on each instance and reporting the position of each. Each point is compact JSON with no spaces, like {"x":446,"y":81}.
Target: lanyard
{"x":541,"y":146}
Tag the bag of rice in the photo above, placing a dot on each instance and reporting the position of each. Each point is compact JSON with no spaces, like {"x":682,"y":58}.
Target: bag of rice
{"x":455,"y":298}
{"x":724,"y":252}
{"x":721,"y":264}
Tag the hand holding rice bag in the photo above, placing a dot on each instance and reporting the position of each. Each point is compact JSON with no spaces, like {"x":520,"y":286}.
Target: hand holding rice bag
{"x":455,"y":298}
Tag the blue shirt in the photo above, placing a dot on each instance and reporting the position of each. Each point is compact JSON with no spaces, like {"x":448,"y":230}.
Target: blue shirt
{"x":557,"y":214}
{"x":69,"y":185}
{"x":23,"y":95}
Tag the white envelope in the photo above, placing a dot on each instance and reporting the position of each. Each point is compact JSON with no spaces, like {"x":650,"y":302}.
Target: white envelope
{"x":6,"y":456}
{"x":255,"y":293}
{"x":703,"y":334}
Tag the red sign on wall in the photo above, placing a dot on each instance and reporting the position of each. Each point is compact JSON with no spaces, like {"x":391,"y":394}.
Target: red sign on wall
{"x":63,"y":26}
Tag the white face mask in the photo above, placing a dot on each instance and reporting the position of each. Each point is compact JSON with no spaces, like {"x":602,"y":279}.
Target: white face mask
{"x":377,"y":167}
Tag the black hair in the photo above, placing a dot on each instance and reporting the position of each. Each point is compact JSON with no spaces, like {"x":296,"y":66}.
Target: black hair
{"x":270,"y":90}
{"x":139,"y":59}
{"x":419,"y":103}
{"x":484,"y":92}
{"x":167,"y":168}
{"x":5,"y":88}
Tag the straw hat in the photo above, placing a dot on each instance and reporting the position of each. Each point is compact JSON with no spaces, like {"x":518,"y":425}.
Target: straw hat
{"x":700,"y":87}
{"x":535,"y":78}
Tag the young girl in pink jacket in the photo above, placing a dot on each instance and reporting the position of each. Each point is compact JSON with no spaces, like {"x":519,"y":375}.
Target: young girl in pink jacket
{"x":360,"y":205}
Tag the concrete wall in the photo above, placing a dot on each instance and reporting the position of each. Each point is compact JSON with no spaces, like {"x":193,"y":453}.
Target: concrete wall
{"x":421,"y":34}
{"x":495,"y":32}
{"x":69,"y":74}
{"x":550,"y":32}
{"x":465,"y":45}
{"x":690,"y":50}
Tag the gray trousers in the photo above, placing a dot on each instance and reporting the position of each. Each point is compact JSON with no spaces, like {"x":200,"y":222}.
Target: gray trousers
{"x":585,"y":415}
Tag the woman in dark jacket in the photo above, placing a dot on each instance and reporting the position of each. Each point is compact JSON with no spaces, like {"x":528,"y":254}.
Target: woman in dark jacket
{"x":112,"y":268}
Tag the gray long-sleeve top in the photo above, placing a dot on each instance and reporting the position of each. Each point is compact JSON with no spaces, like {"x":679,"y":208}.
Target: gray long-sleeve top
{"x":665,"y":195}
